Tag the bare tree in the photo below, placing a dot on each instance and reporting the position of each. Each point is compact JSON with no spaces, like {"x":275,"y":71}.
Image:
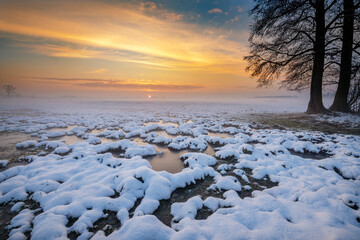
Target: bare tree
{"x":354,"y":96}
{"x":9,"y":89}
{"x":341,"y":97}
{"x":353,"y":99}
{"x":288,"y":40}
{"x":343,"y":56}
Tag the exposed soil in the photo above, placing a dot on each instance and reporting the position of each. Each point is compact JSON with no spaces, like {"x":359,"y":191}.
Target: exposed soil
{"x":163,"y":213}
{"x":7,"y":216}
{"x":302,"y":121}
{"x":310,"y":155}
{"x":8,"y":150}
{"x":182,"y":195}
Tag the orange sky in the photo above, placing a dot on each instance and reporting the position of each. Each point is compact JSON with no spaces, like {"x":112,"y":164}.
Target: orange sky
{"x":122,"y":49}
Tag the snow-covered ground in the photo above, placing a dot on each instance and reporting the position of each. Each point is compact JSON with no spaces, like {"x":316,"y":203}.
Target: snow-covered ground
{"x":266,"y":183}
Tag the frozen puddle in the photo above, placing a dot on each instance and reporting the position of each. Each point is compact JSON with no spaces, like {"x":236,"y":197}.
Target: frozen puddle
{"x":119,"y":176}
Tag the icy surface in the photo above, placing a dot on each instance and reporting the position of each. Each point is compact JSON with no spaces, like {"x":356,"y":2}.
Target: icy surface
{"x":108,"y":170}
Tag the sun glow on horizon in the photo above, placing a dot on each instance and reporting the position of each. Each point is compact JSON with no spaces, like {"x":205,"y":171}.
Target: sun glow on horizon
{"x":68,"y":41}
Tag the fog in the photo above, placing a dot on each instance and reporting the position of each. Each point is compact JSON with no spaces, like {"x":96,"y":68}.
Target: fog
{"x":265,"y":104}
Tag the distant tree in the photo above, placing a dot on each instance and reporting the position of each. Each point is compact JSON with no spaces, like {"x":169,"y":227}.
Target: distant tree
{"x":9,"y":89}
{"x":288,"y":39}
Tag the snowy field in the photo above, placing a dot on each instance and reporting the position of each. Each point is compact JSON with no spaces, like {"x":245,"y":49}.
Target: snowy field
{"x":181,"y":170}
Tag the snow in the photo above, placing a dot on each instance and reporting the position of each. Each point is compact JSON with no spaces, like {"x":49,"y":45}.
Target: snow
{"x":313,"y":198}
{"x":26,"y":144}
{"x":147,"y":150}
{"x":187,"y":209}
{"x":61,"y":150}
{"x":17,"y":206}
{"x":3,"y":163}
{"x":112,"y":134}
{"x":184,"y":142}
{"x":151,"y":228}
{"x":21,"y":224}
{"x":226,"y":183}
{"x":198,"y":159}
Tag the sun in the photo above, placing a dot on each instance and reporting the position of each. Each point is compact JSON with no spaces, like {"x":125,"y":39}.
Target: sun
{"x":149,"y":96}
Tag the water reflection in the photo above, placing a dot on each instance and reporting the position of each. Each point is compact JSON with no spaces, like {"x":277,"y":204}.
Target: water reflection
{"x":221,"y":135}
{"x":170,"y":161}
{"x":71,"y":139}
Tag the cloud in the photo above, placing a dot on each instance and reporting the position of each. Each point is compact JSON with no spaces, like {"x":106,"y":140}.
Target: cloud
{"x":130,"y":84}
{"x":239,"y":9}
{"x":121,"y":32}
{"x":171,"y":16}
{"x":215,"y":10}
{"x":50,"y":79}
{"x":163,"y":13}
{"x":149,"y":6}
{"x":54,"y":50}
{"x":235,"y":19}
{"x":101,"y":70}
{"x":136,"y":86}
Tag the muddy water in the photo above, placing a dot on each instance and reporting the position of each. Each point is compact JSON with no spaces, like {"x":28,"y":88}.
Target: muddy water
{"x":221,"y":135}
{"x":170,"y":161}
{"x":8,"y":150}
{"x":71,"y":139}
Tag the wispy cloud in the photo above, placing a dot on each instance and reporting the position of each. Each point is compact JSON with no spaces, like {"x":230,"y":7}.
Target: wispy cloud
{"x":239,"y":9}
{"x":50,"y":79}
{"x":122,"y":32}
{"x":215,"y":10}
{"x":149,"y":6}
{"x":136,"y":86}
{"x":235,"y":19}
{"x":96,"y":71}
{"x":130,"y":84}
{"x":152,"y":8}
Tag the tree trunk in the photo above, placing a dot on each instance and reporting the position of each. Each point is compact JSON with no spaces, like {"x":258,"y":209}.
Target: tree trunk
{"x":316,"y":104}
{"x":340,"y":103}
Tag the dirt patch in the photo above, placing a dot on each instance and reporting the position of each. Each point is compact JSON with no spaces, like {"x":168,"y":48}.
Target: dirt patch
{"x":182,"y":195}
{"x":310,"y":155}
{"x":108,"y":224}
{"x":8,"y":150}
{"x":302,"y":121}
{"x":163,"y":213}
{"x":8,"y":141}
{"x":7,"y":216}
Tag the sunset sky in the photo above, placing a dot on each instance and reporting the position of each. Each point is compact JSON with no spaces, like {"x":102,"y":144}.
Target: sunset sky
{"x":121,"y":49}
